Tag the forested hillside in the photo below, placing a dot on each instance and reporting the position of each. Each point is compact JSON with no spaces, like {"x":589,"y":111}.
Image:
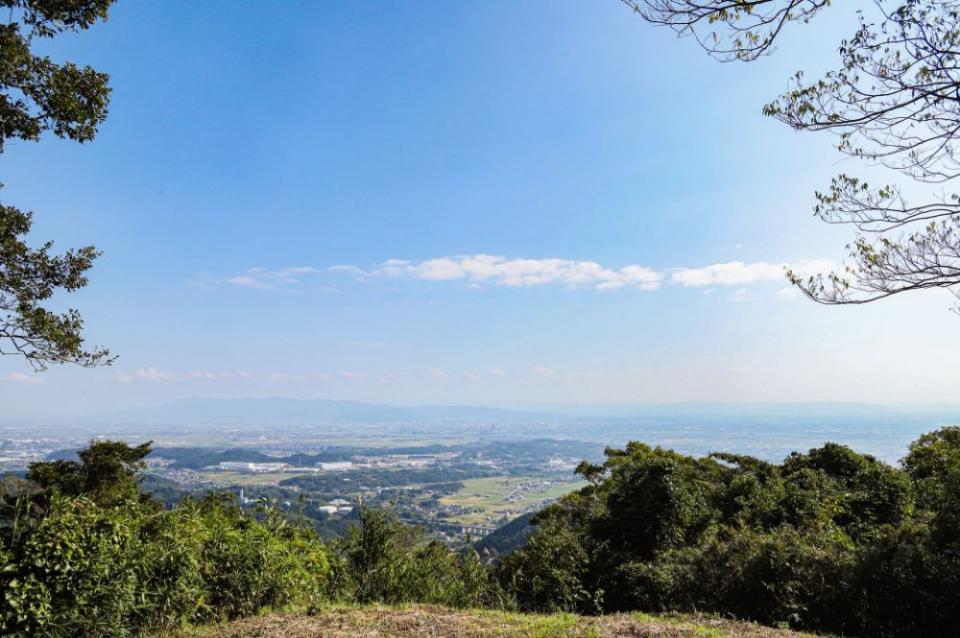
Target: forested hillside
{"x":829,"y":540}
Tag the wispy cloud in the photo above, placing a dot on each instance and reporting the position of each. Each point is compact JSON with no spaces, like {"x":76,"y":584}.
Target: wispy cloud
{"x":284,"y":376}
{"x":521,"y":272}
{"x":22,"y":377}
{"x":260,"y":278}
{"x":154,"y":375}
{"x":738,"y":273}
{"x":150,"y":374}
{"x":479,"y":270}
{"x":438,"y":374}
{"x":515,"y":272}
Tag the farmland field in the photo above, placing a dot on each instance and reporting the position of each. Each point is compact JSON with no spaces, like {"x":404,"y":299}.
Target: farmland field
{"x":497,"y":497}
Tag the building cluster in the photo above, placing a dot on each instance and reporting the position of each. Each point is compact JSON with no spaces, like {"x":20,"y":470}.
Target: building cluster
{"x":255,"y":468}
{"x":336,"y":506}
{"x":389,"y":461}
{"x":395,"y":461}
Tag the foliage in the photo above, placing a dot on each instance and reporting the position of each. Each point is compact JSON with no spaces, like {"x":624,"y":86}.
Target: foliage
{"x":550,"y":572}
{"x":507,"y":538}
{"x":382,"y":560}
{"x":99,"y":558}
{"x":85,"y":551}
{"x":38,"y":95}
{"x":106,"y":472}
{"x":830,"y":540}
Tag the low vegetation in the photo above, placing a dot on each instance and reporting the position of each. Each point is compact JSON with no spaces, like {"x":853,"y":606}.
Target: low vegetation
{"x":85,"y":553}
{"x":827,"y":541}
{"x":440,"y":622}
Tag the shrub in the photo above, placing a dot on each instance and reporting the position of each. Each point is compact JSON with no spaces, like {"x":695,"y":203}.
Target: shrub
{"x":124,"y":565}
{"x":382,"y":560}
{"x":830,"y":540}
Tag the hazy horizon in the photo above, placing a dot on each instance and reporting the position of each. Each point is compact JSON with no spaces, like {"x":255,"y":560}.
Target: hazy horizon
{"x":172,"y":411}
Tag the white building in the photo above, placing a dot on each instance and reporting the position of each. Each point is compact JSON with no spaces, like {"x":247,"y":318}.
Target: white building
{"x":335,"y":466}
{"x":242,"y":466}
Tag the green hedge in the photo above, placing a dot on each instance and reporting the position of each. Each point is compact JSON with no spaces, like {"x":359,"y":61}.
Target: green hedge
{"x":90,"y":570}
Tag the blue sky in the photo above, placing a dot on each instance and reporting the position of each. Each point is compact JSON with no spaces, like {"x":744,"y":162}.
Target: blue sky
{"x":495,"y":202}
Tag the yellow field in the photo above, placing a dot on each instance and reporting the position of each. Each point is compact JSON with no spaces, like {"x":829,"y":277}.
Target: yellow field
{"x":491,"y":494}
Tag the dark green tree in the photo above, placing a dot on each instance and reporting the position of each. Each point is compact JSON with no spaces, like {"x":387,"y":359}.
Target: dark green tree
{"x":106,"y":472}
{"x":891,"y":101}
{"x":382,"y":560}
{"x":830,"y":539}
{"x":39,"y":95}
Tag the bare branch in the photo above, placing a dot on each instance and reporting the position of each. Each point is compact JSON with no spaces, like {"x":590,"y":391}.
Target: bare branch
{"x":729,"y":29}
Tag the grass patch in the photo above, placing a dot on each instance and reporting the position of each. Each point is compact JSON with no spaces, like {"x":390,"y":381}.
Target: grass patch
{"x":440,"y":622}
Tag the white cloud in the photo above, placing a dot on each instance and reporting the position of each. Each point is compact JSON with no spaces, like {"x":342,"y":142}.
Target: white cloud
{"x":348,"y":374}
{"x":346,"y":268}
{"x":21,"y":377}
{"x":154,"y":375}
{"x":498,"y":372}
{"x":738,"y":273}
{"x":728,"y":274}
{"x":518,"y":272}
{"x":483,"y":269}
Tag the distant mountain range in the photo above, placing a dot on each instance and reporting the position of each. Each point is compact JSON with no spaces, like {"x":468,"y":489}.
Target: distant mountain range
{"x":316,"y":411}
{"x":281,"y":410}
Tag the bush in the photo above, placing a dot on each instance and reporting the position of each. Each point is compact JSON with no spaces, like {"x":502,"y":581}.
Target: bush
{"x":124,"y":565}
{"x":830,"y":540}
{"x":382,"y":560}
{"x":72,"y":575}
{"x":550,"y":574}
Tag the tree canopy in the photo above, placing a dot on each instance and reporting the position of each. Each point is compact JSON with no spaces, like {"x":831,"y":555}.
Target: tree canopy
{"x":38,"y":95}
{"x":893,"y":101}
{"x":828,"y":540}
